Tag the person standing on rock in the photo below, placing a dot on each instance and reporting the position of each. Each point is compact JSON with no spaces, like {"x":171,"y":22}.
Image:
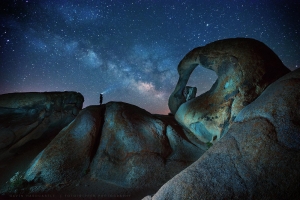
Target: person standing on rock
{"x":101,"y":98}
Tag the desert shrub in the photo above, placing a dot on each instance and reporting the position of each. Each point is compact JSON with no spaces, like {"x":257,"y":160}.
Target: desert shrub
{"x":17,"y":183}
{"x":209,"y":144}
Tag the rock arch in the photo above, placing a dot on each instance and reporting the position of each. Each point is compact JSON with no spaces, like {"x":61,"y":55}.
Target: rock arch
{"x":244,"y":66}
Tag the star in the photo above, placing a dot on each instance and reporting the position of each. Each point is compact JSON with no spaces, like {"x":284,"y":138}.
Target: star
{"x":130,"y":49}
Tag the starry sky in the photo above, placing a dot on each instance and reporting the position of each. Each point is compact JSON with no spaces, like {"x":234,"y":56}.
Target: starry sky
{"x":129,"y":50}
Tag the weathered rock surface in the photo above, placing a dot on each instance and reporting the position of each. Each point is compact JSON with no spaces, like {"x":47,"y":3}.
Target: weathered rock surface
{"x":115,"y":144}
{"x":120,"y":149}
{"x":25,"y":117}
{"x":245,"y":67}
{"x":259,"y":156}
{"x":69,"y":153}
{"x":189,"y":92}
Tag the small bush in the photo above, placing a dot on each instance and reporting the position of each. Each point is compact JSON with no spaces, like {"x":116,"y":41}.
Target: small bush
{"x":209,"y":144}
{"x":17,"y":183}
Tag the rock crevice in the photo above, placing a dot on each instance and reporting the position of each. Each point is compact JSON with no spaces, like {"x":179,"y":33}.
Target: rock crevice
{"x":97,"y":139}
{"x":115,"y":143}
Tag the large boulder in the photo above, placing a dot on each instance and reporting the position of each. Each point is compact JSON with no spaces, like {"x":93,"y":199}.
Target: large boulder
{"x":259,"y":156}
{"x":70,"y":152}
{"x":245,"y":67}
{"x":115,"y":144}
{"x":27,"y":117}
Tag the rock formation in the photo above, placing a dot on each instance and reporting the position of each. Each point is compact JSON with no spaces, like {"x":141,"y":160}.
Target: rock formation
{"x":119,"y":144}
{"x":259,"y":156}
{"x":118,"y":148}
{"x":245,"y":67}
{"x":189,"y":92}
{"x":25,"y":117}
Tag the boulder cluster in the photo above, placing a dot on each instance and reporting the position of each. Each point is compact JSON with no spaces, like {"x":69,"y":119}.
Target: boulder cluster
{"x":239,"y":140}
{"x":117,"y":143}
{"x":259,"y":156}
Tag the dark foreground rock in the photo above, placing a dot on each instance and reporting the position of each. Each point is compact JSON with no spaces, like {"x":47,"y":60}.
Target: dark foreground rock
{"x":114,"y":144}
{"x":259,"y":157}
{"x":245,"y":67}
{"x":27,"y":117}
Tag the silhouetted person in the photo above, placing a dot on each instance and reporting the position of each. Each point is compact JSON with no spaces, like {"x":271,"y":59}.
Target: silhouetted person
{"x":101,"y":99}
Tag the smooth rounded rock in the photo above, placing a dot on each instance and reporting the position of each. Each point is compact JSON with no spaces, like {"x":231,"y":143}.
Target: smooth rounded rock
{"x":115,"y":144}
{"x":259,"y":156}
{"x":245,"y":67}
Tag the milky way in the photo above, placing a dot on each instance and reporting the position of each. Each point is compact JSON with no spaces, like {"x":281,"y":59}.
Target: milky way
{"x":130,"y":49}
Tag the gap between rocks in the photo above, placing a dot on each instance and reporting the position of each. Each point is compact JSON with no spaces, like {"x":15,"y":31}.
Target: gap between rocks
{"x":96,"y":144}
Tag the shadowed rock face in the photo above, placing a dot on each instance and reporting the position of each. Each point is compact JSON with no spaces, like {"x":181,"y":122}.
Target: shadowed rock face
{"x":25,"y":117}
{"x":189,"y":92}
{"x":258,"y":158}
{"x":119,"y":144}
{"x":245,"y":67}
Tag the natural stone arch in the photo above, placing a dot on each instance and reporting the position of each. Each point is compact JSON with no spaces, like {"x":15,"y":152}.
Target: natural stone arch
{"x":244,"y":66}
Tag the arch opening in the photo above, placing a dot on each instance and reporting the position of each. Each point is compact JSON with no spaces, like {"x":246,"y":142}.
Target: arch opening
{"x":202,"y":78}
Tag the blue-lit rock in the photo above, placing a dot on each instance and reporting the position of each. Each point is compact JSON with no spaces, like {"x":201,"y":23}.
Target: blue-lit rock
{"x":245,"y":67}
{"x":259,"y":156}
{"x":115,"y":144}
{"x":139,"y":150}
{"x":68,"y":155}
{"x":280,"y":106}
{"x":27,"y":117}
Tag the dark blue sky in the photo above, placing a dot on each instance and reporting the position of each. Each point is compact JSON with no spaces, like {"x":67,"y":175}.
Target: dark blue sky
{"x":130,"y":49}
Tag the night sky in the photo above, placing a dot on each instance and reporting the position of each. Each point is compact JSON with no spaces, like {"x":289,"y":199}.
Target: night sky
{"x":130,"y":49}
